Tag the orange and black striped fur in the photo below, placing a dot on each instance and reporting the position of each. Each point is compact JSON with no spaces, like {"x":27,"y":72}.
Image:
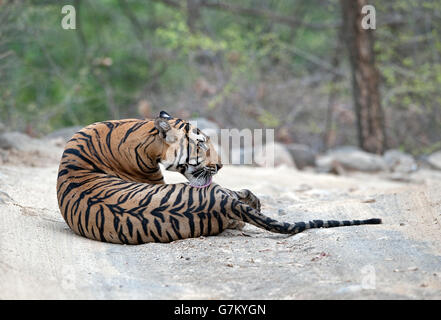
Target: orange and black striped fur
{"x":110,"y":187}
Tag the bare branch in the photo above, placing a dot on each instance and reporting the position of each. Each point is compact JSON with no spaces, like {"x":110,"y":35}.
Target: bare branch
{"x":6,"y":54}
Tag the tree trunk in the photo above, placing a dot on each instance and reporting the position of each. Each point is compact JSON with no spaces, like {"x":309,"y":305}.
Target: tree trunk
{"x":365,"y":78}
{"x":193,"y":14}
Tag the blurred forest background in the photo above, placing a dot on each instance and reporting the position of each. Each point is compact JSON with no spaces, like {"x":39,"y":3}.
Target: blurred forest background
{"x":280,"y":64}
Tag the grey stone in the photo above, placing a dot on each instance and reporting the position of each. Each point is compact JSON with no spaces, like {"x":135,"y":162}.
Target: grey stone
{"x":5,"y":143}
{"x":435,"y":160}
{"x":281,"y":156}
{"x":24,"y":143}
{"x":303,"y":155}
{"x":351,"y":158}
{"x":64,"y":133}
{"x":401,"y":162}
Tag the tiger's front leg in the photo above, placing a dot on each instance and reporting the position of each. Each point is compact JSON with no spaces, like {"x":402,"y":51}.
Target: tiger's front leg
{"x":247,"y":197}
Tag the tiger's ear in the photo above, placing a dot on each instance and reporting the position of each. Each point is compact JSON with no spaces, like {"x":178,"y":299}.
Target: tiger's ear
{"x":165,"y":130}
{"x":165,"y":115}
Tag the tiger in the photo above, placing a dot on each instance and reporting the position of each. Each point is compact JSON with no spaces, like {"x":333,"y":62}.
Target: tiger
{"x":110,"y":186}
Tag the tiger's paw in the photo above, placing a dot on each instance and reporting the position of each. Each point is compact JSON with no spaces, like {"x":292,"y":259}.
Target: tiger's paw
{"x":249,"y":198}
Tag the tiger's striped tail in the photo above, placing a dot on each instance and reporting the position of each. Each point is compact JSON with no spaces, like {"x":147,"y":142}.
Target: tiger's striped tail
{"x":250,"y":215}
{"x":301,"y":226}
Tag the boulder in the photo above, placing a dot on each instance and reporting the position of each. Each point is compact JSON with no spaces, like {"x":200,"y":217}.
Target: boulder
{"x":303,"y":155}
{"x":63,"y":133}
{"x":434,"y":160}
{"x":5,"y":143}
{"x":398,"y":161}
{"x":278,"y":155}
{"x":241,"y":156}
{"x":351,"y":158}
{"x":24,"y":143}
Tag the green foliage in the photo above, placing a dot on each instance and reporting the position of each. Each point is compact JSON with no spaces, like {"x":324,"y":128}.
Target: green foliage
{"x":409,"y":59}
{"x":268,"y":120}
{"x":66,"y":77}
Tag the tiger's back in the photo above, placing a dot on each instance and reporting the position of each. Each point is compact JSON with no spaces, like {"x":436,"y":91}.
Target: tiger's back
{"x":111,"y":189}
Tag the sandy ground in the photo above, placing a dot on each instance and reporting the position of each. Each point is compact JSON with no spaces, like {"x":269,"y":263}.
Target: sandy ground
{"x":40,"y":258}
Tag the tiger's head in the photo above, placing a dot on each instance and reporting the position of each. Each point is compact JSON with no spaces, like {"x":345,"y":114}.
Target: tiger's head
{"x":187,"y":150}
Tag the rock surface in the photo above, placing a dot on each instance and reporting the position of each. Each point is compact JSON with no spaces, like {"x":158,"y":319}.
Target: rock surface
{"x":273,"y":155}
{"x":64,"y":133}
{"x":401,"y":162}
{"x":303,"y":155}
{"x":351,"y":158}
{"x":19,"y":148}
{"x":435,"y":160}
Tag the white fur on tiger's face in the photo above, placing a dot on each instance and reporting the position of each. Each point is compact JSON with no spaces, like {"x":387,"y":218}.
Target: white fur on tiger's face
{"x":187,"y":150}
